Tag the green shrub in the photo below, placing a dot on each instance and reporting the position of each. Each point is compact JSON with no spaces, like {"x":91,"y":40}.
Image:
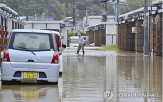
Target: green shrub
{"x":70,"y":34}
{"x":83,"y":33}
{"x":112,"y":47}
{"x":76,"y":34}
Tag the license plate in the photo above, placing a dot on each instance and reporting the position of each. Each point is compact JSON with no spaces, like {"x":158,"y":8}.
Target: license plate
{"x":30,"y":94}
{"x":30,"y":75}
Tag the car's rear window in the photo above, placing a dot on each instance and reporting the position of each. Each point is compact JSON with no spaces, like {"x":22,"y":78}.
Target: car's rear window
{"x":31,"y":41}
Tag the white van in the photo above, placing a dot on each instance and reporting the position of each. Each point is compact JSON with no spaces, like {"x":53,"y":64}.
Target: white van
{"x":74,"y":41}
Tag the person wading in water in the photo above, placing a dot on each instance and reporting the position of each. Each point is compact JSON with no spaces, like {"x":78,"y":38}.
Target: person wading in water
{"x":81,"y":44}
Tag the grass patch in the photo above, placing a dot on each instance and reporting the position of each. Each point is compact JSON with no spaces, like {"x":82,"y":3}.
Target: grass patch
{"x":113,"y":47}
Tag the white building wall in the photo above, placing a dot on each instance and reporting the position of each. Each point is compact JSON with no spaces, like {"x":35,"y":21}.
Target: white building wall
{"x":53,"y":26}
{"x":94,"y":21}
{"x":111,"y":29}
{"x":28,"y":26}
{"x":39,"y":26}
{"x":111,"y":20}
{"x":110,"y":39}
{"x":114,"y":39}
{"x":42,"y":25}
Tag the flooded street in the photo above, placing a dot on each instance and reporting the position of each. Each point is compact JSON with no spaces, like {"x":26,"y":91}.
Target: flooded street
{"x":98,"y":76}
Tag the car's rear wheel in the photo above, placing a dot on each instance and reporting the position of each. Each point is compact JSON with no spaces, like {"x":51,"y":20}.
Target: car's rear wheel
{"x":13,"y":82}
{"x":53,"y":83}
{"x":5,"y":82}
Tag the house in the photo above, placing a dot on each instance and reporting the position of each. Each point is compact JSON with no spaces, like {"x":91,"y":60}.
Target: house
{"x":68,"y":22}
{"x":131,"y":29}
{"x":9,"y":20}
{"x":100,"y":33}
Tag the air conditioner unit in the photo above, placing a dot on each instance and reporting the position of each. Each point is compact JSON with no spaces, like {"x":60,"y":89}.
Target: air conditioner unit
{"x":133,"y":30}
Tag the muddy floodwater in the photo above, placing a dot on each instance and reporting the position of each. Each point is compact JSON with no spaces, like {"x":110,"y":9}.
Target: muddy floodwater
{"x":97,"y":76}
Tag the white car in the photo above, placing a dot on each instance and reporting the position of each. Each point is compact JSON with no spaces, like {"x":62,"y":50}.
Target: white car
{"x":59,"y":44}
{"x":30,"y":56}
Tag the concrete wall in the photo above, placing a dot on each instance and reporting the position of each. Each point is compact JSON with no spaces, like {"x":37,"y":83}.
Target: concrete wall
{"x":94,"y":21}
{"x":52,"y":26}
{"x":111,"y":29}
{"x":41,"y":25}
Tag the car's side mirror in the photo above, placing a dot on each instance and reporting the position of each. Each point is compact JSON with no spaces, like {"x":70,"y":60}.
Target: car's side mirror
{"x":62,"y":37}
{"x":3,"y":46}
{"x":61,"y":49}
{"x":63,"y":45}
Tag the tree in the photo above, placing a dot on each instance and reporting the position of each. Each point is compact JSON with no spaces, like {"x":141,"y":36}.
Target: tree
{"x":59,"y":9}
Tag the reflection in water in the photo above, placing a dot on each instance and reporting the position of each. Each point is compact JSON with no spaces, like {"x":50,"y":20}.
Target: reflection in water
{"x":85,"y":79}
{"x":29,"y":93}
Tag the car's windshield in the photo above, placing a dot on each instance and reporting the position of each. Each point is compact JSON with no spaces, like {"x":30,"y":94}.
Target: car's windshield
{"x":32,"y":41}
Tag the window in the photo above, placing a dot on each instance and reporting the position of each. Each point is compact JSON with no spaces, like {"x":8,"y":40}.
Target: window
{"x":32,"y":41}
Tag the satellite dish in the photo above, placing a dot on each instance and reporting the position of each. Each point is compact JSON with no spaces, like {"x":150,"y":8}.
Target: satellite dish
{"x":157,"y":18}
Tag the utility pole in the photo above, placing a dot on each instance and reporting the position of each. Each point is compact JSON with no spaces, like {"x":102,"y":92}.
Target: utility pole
{"x":26,"y":10}
{"x":117,"y":10}
{"x":86,"y":16}
{"x":104,"y":12}
{"x":74,"y":16}
{"x":146,"y":29}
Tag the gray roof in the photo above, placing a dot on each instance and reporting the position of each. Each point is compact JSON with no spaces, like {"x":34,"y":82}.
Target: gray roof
{"x":32,"y":18}
{"x":5,"y":7}
{"x":68,"y":21}
{"x":44,"y":19}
